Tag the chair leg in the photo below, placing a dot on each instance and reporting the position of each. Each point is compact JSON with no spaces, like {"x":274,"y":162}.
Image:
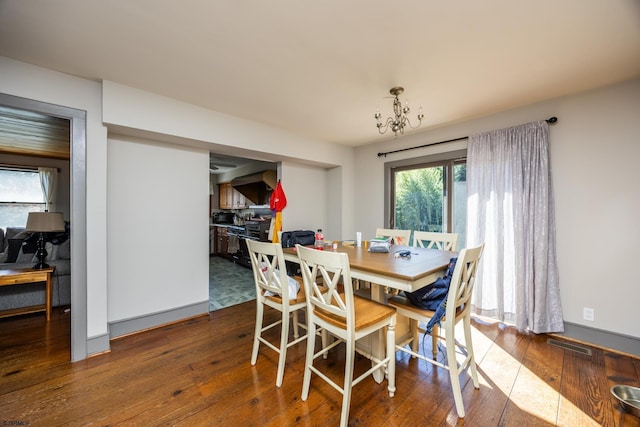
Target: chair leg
{"x":469,"y":345}
{"x":284,"y":339}
{"x":391,"y":354}
{"x":296,"y":332}
{"x":454,"y":373}
{"x":415,"y":341}
{"x":348,"y":380}
{"x":311,"y":341}
{"x":435,"y":332}
{"x":324,"y":336}
{"x":258,"y":331}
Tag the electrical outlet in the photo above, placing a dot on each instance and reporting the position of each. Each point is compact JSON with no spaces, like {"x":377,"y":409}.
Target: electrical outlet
{"x":589,"y":314}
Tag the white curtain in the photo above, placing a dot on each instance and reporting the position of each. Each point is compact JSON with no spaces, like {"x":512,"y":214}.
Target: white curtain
{"x":49,"y":184}
{"x":510,"y":208}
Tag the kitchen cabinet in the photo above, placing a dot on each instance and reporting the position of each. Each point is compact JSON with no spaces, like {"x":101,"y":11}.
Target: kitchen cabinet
{"x":222,"y":241}
{"x":230,"y":198}
{"x":226,"y":201}
{"x":239,"y":201}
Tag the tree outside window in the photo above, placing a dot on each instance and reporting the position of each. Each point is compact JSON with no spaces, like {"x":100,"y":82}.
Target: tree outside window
{"x":431,"y":198}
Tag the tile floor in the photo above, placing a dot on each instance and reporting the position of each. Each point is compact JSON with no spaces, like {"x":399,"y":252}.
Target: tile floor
{"x":229,"y":283}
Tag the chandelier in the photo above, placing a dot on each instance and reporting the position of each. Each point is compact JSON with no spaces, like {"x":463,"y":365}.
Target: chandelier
{"x":399,"y":121}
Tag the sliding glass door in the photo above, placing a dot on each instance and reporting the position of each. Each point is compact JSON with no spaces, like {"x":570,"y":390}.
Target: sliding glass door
{"x":430,"y":197}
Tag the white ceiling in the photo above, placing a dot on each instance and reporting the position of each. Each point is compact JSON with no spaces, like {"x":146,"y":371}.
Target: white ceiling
{"x":320,"y":68}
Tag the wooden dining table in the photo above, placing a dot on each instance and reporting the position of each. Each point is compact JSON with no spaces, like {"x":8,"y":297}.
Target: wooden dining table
{"x":387,"y":270}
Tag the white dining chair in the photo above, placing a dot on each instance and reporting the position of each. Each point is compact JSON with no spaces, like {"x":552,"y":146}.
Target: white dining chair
{"x":443,"y":242}
{"x":398,"y":237}
{"x":458,"y":308}
{"x":436,"y":240}
{"x":272,"y":290}
{"x":348,"y":317}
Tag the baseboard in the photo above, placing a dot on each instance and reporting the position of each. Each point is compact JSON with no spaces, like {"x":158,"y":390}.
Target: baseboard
{"x":601,"y":339}
{"x":121,"y":328}
{"x":97,"y":345}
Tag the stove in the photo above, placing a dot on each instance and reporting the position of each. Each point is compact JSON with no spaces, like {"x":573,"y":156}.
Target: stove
{"x":258,"y":230}
{"x":252,"y":230}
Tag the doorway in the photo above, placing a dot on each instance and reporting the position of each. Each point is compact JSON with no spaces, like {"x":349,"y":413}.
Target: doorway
{"x":77,"y":212}
{"x":230,"y":280}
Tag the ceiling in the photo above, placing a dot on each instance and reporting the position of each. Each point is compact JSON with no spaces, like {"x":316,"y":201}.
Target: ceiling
{"x":33,"y":134}
{"x":219,"y":164}
{"x":319,"y":69}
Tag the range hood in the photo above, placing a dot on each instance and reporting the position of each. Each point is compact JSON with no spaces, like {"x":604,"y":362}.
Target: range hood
{"x":256,"y":187}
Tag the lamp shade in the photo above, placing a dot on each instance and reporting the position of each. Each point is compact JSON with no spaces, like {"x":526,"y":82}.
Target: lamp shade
{"x":45,"y":221}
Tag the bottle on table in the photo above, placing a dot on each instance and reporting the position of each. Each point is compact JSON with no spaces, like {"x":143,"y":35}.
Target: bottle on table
{"x":319,"y":243}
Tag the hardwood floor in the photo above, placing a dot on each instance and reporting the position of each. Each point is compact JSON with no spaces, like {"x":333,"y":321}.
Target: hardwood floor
{"x":197,"y":372}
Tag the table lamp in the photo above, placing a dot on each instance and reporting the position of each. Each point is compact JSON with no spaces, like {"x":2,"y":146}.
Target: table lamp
{"x":44,"y":222}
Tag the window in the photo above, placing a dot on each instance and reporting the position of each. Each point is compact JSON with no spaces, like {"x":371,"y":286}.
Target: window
{"x":20,"y":193}
{"x":429,"y":194}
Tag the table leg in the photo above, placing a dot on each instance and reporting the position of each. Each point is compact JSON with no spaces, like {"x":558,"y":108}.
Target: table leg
{"x":378,"y":341}
{"x":49,"y":296}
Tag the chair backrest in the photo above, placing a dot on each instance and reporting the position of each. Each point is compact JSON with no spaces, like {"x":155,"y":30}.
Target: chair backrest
{"x":462,"y":283}
{"x":323,"y":275}
{"x":269,"y":270}
{"x":441,"y":241}
{"x":398,"y":237}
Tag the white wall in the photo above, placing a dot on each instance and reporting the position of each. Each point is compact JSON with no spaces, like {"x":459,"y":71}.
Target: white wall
{"x":305,"y":162}
{"x":158,"y":227}
{"x":594,"y":155}
{"x":596,"y":176}
{"x":305,"y":188}
{"x":127,"y":107}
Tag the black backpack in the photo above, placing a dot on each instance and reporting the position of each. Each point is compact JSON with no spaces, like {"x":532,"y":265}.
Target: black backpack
{"x":288,"y":239}
{"x":431,"y":296}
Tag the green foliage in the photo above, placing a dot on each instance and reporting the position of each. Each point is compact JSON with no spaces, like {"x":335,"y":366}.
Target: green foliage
{"x":460,"y":173}
{"x":419,"y":199}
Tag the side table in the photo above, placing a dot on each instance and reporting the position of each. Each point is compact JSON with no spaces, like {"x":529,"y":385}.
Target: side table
{"x":22,"y":276}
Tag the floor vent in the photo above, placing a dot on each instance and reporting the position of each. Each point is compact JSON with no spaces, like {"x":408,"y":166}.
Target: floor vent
{"x":570,"y":346}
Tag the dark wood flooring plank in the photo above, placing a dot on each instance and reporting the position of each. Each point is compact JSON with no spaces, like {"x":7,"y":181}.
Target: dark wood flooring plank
{"x":497,"y":371}
{"x":621,"y":370}
{"x":584,"y":393}
{"x":540,"y":372}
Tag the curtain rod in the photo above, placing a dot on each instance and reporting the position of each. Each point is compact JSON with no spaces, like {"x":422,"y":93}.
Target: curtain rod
{"x":550,"y":120}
